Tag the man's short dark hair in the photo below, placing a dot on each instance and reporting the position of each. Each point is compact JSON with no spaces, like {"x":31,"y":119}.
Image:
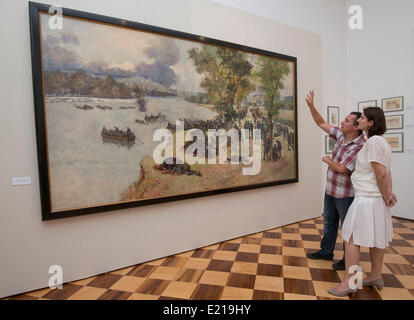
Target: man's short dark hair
{"x":357,"y":115}
{"x":375,"y":114}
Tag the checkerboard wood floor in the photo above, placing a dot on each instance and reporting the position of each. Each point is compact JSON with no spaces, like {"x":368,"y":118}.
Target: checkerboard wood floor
{"x":266,"y":265}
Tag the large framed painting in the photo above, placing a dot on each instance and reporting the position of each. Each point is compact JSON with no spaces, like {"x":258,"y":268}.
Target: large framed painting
{"x":129,"y":114}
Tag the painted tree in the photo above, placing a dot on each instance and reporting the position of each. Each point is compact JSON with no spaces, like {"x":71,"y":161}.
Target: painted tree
{"x":226,"y":77}
{"x":270,"y":75}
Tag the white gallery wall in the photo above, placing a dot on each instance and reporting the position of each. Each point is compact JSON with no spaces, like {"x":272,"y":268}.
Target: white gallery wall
{"x":97,"y":243}
{"x":328,"y":18}
{"x":380,"y":64}
{"x":358,"y":65}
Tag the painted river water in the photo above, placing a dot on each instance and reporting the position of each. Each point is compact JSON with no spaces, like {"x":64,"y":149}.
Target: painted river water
{"x":87,"y":171}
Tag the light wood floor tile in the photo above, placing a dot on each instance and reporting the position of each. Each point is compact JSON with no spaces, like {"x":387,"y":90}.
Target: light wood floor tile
{"x":296,"y":252}
{"x":296,"y":273}
{"x":321,"y":289}
{"x":269,"y":283}
{"x":249,"y":248}
{"x":232,"y":293}
{"x":270,"y":259}
{"x":139,"y":296}
{"x":291,"y":236}
{"x":321,"y":264}
{"x":395,"y":294}
{"x":165,"y":273}
{"x":214,"y":278}
{"x":394,"y":258}
{"x":196,"y":263}
{"x":178,"y":289}
{"x":292,"y":296}
{"x":225,"y":255}
{"x":128,"y":283}
{"x":87,"y":293}
{"x":244,"y":267}
{"x":407,"y":281}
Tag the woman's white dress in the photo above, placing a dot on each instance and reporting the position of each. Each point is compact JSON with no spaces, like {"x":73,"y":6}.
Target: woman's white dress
{"x":368,"y":219}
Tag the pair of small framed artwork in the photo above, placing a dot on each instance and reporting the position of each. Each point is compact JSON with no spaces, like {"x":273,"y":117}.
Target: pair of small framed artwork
{"x":395,"y":139}
{"x":393,"y":121}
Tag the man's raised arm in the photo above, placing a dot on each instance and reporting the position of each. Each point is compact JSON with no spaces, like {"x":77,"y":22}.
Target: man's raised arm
{"x":325,"y":126}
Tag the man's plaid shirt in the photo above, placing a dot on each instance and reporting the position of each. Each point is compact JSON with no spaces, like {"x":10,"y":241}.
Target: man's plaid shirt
{"x":339,"y":185}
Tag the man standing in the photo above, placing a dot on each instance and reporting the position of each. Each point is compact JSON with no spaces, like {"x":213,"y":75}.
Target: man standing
{"x":339,"y":193}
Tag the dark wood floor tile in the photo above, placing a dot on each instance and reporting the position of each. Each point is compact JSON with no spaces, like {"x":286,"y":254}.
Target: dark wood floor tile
{"x":169,"y":298}
{"x":267,"y":295}
{"x":391,"y":281}
{"x":220,"y":265}
{"x":22,"y":297}
{"x":390,"y":250}
{"x":409,"y":258}
{"x":271,"y":270}
{"x":411,"y":291}
{"x":402,"y":269}
{"x":367,"y":293}
{"x":324,"y":275}
{"x":398,"y":225}
{"x":365,"y":256}
{"x":299,"y":286}
{"x":290,"y":230}
{"x":189,"y":275}
{"x":292,"y":243}
{"x":295,"y":261}
{"x":174,"y":262}
{"x":400,"y":243}
{"x":247,"y":256}
{"x":105,"y":280}
{"x":272,"y":235}
{"x":326,"y":298}
{"x":240,"y":280}
{"x":249,"y":240}
{"x":229,"y":246}
{"x":271,"y":250}
{"x":307,"y":226}
{"x":407,"y":236}
{"x":202,"y":253}
{"x":62,"y":294}
{"x":207,"y":292}
{"x":114,"y":295}
{"x":141,"y":270}
{"x":153,"y":286}
{"x":311,"y":237}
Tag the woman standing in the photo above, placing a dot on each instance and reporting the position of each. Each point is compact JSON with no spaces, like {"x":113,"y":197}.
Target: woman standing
{"x":368,"y":222}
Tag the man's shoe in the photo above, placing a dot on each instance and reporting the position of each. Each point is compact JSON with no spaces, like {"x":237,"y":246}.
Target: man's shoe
{"x":340,"y":265}
{"x":317,"y":256}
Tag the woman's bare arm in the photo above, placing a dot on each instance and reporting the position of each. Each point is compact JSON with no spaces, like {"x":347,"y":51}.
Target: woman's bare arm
{"x":384,"y":181}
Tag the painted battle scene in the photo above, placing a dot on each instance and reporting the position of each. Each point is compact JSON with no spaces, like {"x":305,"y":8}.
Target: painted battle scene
{"x":108,"y":89}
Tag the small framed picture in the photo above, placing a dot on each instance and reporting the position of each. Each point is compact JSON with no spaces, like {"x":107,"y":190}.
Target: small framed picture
{"x":395,"y":122}
{"x":395,"y":140}
{"x":365,"y":104}
{"x":329,"y":145}
{"x":333,"y":116}
{"x":393,"y":104}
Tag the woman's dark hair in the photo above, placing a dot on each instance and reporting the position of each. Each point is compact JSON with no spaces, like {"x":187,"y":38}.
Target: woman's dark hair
{"x":375,"y":114}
